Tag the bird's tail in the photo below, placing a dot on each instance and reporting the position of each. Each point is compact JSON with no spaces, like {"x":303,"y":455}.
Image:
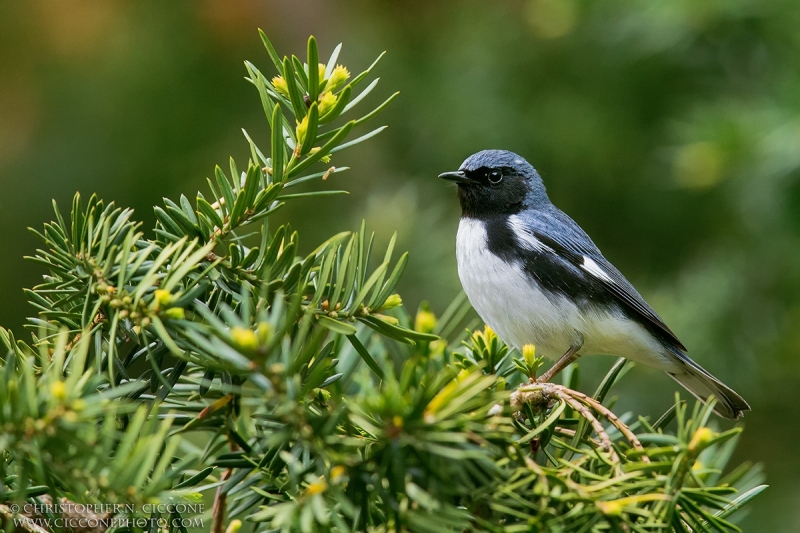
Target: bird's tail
{"x":702,"y":384}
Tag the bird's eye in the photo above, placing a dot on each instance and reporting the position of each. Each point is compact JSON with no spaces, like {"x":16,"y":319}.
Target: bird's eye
{"x":495,"y":177}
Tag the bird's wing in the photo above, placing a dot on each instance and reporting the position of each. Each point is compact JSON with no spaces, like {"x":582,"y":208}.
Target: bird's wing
{"x":572,"y":244}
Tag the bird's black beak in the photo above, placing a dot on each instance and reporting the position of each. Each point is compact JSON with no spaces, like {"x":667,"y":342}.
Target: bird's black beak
{"x":458,"y":176}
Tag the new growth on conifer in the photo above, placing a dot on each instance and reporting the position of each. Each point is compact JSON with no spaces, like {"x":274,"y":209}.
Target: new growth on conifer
{"x":208,"y":360}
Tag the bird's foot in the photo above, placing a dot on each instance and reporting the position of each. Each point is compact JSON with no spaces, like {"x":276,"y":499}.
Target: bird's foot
{"x":568,"y":358}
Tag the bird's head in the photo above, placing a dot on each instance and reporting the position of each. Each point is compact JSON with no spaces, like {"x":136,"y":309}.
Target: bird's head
{"x":497,"y":182}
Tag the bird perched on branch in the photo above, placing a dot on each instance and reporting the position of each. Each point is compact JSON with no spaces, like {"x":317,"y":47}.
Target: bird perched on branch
{"x":536,"y":277}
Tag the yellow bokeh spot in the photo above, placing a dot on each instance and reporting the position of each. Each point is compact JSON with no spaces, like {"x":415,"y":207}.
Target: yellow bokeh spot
{"x":699,"y":165}
{"x":550,"y":19}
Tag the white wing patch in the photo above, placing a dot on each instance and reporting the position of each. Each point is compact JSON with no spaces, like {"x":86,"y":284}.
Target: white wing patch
{"x":524,"y":237}
{"x":505,"y":297}
{"x":594,"y":269}
{"x":522,"y":313}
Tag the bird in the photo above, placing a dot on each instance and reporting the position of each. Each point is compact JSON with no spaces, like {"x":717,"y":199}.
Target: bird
{"x":535,"y":277}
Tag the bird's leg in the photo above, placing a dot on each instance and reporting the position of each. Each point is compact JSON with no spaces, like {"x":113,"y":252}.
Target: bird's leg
{"x":565,"y":360}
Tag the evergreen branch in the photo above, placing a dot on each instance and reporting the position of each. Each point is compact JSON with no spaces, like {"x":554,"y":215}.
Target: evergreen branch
{"x":298,"y":389}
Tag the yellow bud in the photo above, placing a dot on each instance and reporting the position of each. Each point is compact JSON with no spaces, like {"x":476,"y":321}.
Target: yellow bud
{"x":322,"y":394}
{"x":321,"y":71}
{"x":529,"y":353}
{"x":612,"y":508}
{"x":701,"y":437}
{"x":58,"y":390}
{"x":175,"y":313}
{"x":425,"y":322}
{"x":317,"y":487}
{"x":302,"y":128}
{"x":438,"y":401}
{"x":244,"y":338}
{"x":397,"y":421}
{"x":163,"y":297}
{"x":339,"y":75}
{"x":280,"y":85}
{"x":264,"y":332}
{"x":437,"y":347}
{"x":234,"y":526}
{"x":70,"y":416}
{"x":324,"y":158}
{"x":386,"y":318}
{"x":78,"y":405}
{"x":337,"y":473}
{"x":326,"y":102}
{"x":392,"y":301}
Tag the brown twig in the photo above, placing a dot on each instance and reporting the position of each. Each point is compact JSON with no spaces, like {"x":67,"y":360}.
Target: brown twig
{"x":596,"y":425}
{"x":614,"y":419}
{"x":220,"y":500}
{"x":220,"y":497}
{"x":80,"y":518}
{"x":99,"y":317}
{"x":19,"y":521}
{"x":571,"y":433}
{"x":541,"y":394}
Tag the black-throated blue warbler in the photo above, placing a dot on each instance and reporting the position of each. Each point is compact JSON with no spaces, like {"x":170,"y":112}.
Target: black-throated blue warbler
{"x":536,"y":277}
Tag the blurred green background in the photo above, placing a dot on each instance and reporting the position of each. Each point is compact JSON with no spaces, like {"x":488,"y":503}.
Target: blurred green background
{"x":669,"y":130}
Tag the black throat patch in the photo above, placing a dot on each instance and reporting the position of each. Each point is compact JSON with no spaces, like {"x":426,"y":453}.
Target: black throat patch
{"x":483,"y":201}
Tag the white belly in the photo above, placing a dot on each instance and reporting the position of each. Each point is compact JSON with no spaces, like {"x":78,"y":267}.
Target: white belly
{"x":520,"y":313}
